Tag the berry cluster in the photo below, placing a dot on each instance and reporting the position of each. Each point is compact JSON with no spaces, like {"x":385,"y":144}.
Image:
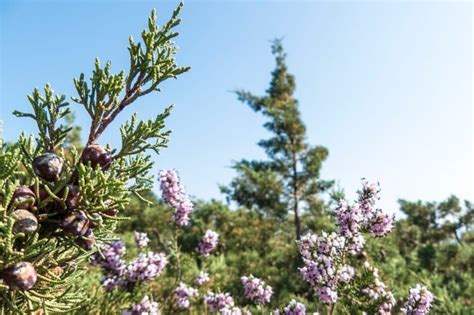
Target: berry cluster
{"x":54,"y":195}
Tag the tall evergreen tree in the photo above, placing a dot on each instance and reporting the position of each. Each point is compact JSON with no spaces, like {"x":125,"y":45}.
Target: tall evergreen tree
{"x":289,"y":179}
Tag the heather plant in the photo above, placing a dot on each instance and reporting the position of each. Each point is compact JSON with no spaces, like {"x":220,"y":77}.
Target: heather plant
{"x":256,"y":290}
{"x":208,"y":243}
{"x":340,"y":272}
{"x":59,"y":202}
{"x":124,"y":280}
{"x":183,"y":294}
{"x":335,"y":266}
{"x":294,"y":308}
{"x":145,"y":306}
{"x":419,"y":301}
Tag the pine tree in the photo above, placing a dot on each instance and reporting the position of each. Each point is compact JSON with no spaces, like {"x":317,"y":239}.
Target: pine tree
{"x":429,"y":224}
{"x":58,"y":198}
{"x":289,"y":179}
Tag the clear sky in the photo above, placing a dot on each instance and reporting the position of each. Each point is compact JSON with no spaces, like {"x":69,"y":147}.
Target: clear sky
{"x":387,"y":87}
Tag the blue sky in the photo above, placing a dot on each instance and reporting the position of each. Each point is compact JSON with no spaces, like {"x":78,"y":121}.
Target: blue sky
{"x":387,"y":87}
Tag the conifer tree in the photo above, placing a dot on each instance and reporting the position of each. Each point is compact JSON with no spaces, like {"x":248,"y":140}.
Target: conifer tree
{"x":290,"y":179}
{"x":59,"y":198}
{"x":429,"y":224}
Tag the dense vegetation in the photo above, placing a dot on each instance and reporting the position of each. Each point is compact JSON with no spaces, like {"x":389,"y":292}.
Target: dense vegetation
{"x":82,"y":232}
{"x":251,"y":242}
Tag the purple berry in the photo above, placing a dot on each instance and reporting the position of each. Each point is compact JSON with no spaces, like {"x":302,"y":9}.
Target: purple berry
{"x":76,"y":223}
{"x":112,"y":212}
{"x":73,"y":196}
{"x":97,"y":155}
{"x":25,"y":221}
{"x":42,"y":193}
{"x":21,"y":276}
{"x":48,"y":166}
{"x":23,"y":198}
{"x":87,"y":241}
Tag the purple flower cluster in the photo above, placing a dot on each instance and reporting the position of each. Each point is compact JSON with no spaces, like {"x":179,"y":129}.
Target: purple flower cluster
{"x":234,"y":311}
{"x":120,"y":273}
{"x":110,"y":282}
{"x":174,"y":195}
{"x":295,"y":308}
{"x":256,"y":290}
{"x":208,"y":243}
{"x":145,"y":307}
{"x":323,"y":268}
{"x":219,"y":302}
{"x":311,"y":245}
{"x":380,"y":223}
{"x":202,"y":278}
{"x":355,"y":244}
{"x":112,"y":260}
{"x":345,"y":273}
{"x":351,"y":220}
{"x":113,"y":263}
{"x":141,"y":239}
{"x":146,"y":267}
{"x":378,"y":292}
{"x":327,"y":294}
{"x":183,"y":294}
{"x":368,"y":196}
{"x":418,"y":302}
{"x":324,"y":256}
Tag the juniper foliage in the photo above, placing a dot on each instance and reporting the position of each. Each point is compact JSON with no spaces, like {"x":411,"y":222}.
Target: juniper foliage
{"x":78,"y":206}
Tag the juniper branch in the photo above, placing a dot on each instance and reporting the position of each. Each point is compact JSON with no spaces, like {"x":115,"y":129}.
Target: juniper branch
{"x":148,"y":68}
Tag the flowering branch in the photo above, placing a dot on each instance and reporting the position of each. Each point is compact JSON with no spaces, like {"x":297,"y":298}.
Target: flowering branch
{"x":329,"y":259}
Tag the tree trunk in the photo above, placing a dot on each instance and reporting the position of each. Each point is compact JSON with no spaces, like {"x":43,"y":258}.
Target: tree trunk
{"x":295,"y":198}
{"x":458,"y":239}
{"x":297,"y":222}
